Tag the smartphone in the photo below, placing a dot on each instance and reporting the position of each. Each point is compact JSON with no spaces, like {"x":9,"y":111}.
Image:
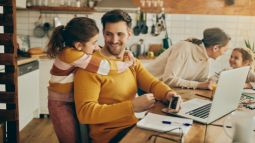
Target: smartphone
{"x":173,"y":103}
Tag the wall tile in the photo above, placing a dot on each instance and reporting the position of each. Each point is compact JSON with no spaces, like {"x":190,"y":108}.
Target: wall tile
{"x":1,"y":29}
{"x":1,"y":48}
{"x":1,"y":9}
{"x":180,"y":26}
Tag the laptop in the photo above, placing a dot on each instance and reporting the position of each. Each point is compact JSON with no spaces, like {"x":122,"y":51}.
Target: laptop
{"x":226,"y":98}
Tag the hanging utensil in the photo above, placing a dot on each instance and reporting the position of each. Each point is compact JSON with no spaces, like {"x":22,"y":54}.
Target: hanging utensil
{"x":166,"y":41}
{"x":39,"y":31}
{"x":157,"y":27}
{"x":153,"y":28}
{"x":57,"y":21}
{"x":136,"y":29}
{"x":144,"y":29}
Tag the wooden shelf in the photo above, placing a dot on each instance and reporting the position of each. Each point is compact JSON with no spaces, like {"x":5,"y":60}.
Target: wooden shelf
{"x":61,"y":9}
{"x":208,"y":7}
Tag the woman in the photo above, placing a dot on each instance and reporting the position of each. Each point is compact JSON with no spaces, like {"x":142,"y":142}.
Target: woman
{"x":186,"y":64}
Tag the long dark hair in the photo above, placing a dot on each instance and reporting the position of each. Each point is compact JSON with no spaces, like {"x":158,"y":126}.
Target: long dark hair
{"x":79,"y":29}
{"x":116,"y":15}
{"x":212,"y":37}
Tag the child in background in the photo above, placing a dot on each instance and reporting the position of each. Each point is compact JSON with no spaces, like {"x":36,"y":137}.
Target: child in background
{"x":73,"y":46}
{"x":241,"y":57}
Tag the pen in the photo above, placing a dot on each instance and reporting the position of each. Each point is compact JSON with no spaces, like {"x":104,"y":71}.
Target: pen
{"x":170,"y":122}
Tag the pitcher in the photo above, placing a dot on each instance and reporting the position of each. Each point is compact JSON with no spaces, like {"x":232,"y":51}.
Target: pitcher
{"x":242,"y":124}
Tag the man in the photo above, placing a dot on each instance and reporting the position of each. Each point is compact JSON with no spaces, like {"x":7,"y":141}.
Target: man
{"x":107,"y":103}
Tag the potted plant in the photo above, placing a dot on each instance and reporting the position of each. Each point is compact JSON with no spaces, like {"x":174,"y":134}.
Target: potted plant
{"x":249,"y":45}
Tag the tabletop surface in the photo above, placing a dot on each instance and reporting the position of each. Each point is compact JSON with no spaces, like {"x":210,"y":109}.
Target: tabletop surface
{"x":199,"y":133}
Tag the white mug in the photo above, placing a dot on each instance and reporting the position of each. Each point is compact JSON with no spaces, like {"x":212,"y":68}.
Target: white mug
{"x":242,"y":124}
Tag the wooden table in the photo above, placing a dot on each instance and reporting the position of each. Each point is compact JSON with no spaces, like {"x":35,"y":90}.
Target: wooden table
{"x":199,"y":133}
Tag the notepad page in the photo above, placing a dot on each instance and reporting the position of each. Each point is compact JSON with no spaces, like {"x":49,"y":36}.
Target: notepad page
{"x":154,"y":122}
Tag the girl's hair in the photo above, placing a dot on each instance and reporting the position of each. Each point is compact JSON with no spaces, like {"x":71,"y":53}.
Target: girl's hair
{"x":79,"y":29}
{"x":212,"y":37}
{"x":247,"y":55}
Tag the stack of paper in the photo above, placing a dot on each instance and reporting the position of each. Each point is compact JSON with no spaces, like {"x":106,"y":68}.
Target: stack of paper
{"x":249,"y":92}
{"x":162,"y":123}
{"x":140,"y":115}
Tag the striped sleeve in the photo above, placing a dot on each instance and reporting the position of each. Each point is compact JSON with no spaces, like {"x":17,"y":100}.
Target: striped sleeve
{"x":92,"y":63}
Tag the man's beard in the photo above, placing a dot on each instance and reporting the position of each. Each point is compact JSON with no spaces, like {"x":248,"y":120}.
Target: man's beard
{"x":114,"y":52}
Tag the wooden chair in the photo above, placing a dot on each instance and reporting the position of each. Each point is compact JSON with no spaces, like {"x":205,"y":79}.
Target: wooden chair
{"x":84,"y":133}
{"x":9,"y":97}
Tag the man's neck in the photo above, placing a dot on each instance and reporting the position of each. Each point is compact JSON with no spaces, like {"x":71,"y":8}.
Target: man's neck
{"x":106,"y":53}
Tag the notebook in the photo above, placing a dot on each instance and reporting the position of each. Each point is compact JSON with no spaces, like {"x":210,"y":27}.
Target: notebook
{"x":155,"y":122}
{"x":248,"y":91}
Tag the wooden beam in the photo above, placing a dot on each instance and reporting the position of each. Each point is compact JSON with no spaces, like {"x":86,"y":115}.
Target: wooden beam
{"x":8,"y":115}
{"x":7,"y":97}
{"x":6,"y":19}
{"x":6,"y":38}
{"x":6,"y":59}
{"x":6,"y":3}
{"x":6,"y":78}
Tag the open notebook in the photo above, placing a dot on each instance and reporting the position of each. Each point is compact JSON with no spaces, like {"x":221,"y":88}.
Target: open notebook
{"x":154,"y":122}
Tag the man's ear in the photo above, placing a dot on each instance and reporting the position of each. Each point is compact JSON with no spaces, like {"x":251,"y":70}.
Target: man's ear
{"x":129,"y":32}
{"x":78,"y":46}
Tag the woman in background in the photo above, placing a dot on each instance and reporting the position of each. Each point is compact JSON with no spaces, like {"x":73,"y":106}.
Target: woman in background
{"x":186,"y":64}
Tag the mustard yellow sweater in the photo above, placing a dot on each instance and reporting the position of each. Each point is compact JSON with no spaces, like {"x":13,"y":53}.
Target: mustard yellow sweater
{"x":62,"y":71}
{"x":104,"y":102}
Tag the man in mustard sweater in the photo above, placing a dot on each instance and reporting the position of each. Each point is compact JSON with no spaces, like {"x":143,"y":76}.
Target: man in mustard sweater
{"x":107,"y":103}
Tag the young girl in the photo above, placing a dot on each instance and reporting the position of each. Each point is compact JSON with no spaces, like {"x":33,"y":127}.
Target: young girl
{"x":72,"y":46}
{"x":242,"y":57}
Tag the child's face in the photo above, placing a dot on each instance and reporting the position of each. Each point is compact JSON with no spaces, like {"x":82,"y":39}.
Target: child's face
{"x":236,"y":60}
{"x":90,"y":46}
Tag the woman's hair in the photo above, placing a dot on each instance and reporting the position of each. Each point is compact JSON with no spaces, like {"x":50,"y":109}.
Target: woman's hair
{"x":212,"y":37}
{"x":247,"y":55}
{"x":116,"y":16}
{"x":79,"y":29}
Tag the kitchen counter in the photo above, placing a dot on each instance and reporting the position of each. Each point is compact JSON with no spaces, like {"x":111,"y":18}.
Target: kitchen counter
{"x":24,"y":60}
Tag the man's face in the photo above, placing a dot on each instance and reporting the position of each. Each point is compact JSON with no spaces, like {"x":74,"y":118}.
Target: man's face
{"x":116,"y":36}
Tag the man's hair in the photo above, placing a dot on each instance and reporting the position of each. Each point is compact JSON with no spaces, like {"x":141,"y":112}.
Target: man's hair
{"x":116,"y":15}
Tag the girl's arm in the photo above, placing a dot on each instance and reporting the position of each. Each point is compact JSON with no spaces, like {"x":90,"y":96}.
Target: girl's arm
{"x":95,"y":64}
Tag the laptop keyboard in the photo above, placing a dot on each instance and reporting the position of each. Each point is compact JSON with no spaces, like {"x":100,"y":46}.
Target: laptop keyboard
{"x":201,"y":112}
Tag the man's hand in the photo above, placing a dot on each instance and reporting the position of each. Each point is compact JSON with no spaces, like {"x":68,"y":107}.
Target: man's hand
{"x":144,"y":102}
{"x":169,"y":97}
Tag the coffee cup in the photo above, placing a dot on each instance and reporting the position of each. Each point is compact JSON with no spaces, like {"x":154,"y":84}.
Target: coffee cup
{"x":242,"y":127}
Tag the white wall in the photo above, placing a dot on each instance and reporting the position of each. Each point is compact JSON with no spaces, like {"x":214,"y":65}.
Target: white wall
{"x":180,"y":26}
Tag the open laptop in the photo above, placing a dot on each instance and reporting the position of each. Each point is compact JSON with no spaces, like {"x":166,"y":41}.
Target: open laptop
{"x":226,"y":98}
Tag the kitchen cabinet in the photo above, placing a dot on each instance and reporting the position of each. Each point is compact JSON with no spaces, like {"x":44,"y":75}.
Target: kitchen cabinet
{"x":45,"y":66}
{"x":28,"y":92}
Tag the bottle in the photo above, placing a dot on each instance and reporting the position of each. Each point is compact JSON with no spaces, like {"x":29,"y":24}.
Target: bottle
{"x":78,"y":3}
{"x":141,"y":47}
